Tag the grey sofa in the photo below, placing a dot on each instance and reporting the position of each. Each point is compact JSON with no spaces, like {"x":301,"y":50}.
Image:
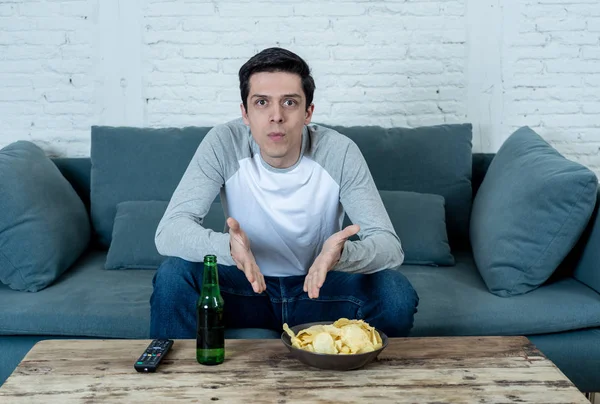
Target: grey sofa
{"x":561,"y":317}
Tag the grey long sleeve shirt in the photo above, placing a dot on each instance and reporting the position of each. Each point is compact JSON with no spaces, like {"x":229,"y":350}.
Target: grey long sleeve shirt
{"x":286,"y":213}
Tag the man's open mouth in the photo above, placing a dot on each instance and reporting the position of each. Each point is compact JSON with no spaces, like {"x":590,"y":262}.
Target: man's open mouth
{"x":276,"y":136}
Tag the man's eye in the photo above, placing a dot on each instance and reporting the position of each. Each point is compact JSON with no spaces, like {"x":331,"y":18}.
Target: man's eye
{"x":289,"y":103}
{"x":261,"y":102}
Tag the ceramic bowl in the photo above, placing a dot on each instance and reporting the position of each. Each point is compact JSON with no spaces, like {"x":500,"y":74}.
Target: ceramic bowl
{"x":328,"y":361}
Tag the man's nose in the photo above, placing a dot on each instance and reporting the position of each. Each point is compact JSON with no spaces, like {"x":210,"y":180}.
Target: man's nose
{"x":277,"y":114}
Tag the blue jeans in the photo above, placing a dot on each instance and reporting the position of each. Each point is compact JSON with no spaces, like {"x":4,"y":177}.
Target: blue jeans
{"x":385,"y":299}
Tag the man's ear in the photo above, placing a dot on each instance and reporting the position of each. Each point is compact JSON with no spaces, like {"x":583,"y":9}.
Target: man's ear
{"x":244,"y":114}
{"x":309,"y":114}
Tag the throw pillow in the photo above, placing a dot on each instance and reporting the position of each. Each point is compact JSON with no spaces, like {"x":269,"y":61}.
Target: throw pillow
{"x":44,"y":226}
{"x":420,"y":222}
{"x":133,"y":246}
{"x":530,"y":210}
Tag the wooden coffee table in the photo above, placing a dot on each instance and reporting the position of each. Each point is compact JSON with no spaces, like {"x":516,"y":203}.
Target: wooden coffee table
{"x":449,"y":370}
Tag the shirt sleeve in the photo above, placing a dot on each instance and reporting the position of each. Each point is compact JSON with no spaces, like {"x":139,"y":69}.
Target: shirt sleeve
{"x":180,"y":232}
{"x":379,"y":246}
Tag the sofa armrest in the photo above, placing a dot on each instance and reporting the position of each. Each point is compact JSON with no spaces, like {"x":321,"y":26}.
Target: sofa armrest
{"x":587,"y":269}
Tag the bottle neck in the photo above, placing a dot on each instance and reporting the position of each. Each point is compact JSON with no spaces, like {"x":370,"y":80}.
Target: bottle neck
{"x":210,"y":278}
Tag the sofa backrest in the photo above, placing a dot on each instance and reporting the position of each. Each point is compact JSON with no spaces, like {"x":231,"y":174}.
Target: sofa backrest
{"x":136,"y":164}
{"x":428,"y":159}
{"x":77,"y":170}
{"x":130,"y":164}
{"x":583,"y":262}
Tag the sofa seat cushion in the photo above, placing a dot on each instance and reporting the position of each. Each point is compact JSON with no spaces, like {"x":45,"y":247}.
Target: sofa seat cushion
{"x":86,"y":301}
{"x":455,"y":301}
{"x":89,"y":301}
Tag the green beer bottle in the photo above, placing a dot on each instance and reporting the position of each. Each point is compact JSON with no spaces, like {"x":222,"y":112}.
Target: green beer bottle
{"x":210,"y":333}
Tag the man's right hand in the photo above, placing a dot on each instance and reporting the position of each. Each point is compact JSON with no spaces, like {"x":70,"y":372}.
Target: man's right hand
{"x":243,"y":257}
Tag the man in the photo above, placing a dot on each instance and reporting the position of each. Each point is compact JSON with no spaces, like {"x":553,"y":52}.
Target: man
{"x":285,"y":186}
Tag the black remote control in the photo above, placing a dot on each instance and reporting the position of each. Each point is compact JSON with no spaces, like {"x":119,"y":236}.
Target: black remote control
{"x":153,"y":355}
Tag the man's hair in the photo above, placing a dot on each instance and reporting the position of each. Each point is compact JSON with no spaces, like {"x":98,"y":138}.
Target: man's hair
{"x":276,"y":60}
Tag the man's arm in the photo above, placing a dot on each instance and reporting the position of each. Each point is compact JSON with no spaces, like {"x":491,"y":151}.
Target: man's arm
{"x":180,"y":232}
{"x":379,"y":247}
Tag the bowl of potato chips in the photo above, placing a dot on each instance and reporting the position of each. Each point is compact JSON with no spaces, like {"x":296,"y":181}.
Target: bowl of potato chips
{"x":342,"y":345}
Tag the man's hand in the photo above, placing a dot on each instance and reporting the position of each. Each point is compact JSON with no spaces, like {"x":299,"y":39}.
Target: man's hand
{"x":243,"y":257}
{"x":326,"y":260}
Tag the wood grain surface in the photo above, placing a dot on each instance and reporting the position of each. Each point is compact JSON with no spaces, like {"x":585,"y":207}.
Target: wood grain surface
{"x":409,"y":370}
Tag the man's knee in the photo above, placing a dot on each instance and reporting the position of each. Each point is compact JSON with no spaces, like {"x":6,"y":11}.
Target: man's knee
{"x":173,"y":299}
{"x":173,"y":275}
{"x":397,"y":302}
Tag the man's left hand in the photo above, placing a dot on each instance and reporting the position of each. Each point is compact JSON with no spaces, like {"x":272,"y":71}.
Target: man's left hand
{"x":326,"y":260}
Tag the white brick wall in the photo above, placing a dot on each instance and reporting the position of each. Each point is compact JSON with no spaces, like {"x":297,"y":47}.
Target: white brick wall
{"x":552,"y":75}
{"x":47,"y":74}
{"x":68,"y":64}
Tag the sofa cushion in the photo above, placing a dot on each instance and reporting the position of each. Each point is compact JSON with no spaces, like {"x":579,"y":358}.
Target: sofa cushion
{"x":433,"y":159}
{"x":44,"y":226}
{"x":100,"y":303}
{"x":456,"y":301}
{"x":133,"y":246}
{"x":529,"y":212}
{"x":131,"y":164}
{"x":420,"y":222}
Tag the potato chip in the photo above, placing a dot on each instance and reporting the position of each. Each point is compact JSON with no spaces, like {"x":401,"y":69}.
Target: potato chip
{"x":366,"y":348}
{"x":343,"y":337}
{"x":323,"y":343}
{"x":295,"y":341}
{"x":355,"y":337}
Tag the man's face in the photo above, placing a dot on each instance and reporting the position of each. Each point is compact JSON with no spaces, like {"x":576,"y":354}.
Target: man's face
{"x":276,"y":115}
